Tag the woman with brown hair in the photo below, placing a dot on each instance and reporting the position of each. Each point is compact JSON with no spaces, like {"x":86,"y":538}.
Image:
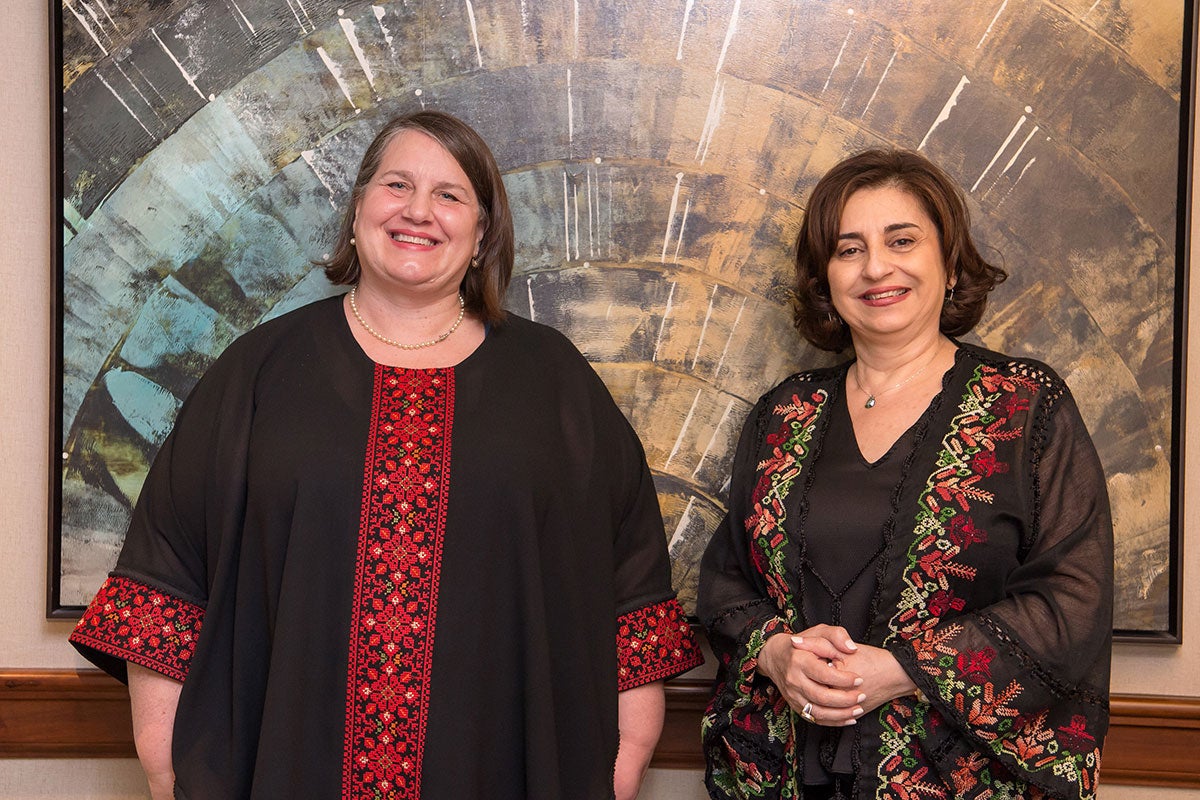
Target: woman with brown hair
{"x":400,"y":543}
{"x":911,"y":595}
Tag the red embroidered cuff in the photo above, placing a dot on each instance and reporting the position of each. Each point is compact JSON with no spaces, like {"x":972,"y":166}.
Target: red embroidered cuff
{"x":654,"y":642}
{"x":140,"y":624}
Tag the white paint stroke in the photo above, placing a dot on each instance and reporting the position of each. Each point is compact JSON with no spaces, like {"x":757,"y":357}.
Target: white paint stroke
{"x":945,"y":112}
{"x":525,"y":17}
{"x":837,"y":60}
{"x":713,"y":439}
{"x":529,"y":287}
{"x":591,"y":211}
{"x":570,"y":111}
{"x":732,"y":330}
{"x":575,"y":203}
{"x":716,"y":107}
{"x":308,"y":155}
{"x":682,"y":526}
{"x":107,"y":15}
{"x":1024,"y":170}
{"x":608,"y":313}
{"x":687,"y":207}
{"x":991,"y":25}
{"x":242,"y":14}
{"x":296,"y":16}
{"x":297,"y":8}
{"x":186,"y":75}
{"x":687,"y":13}
{"x":124,"y":104}
{"x":83,"y":23}
{"x":150,"y":84}
{"x":996,"y":157}
{"x":862,"y":66}
{"x":882,"y":78}
{"x":380,"y":12}
{"x":359,"y":55}
{"x":729,"y":32}
{"x":1093,"y":8}
{"x":566,"y":218}
{"x":95,"y":18}
{"x":610,"y":215}
{"x":704,"y":327}
{"x":336,"y":72}
{"x":145,"y":100}
{"x":474,"y":32}
{"x":662,"y":326}
{"x":671,"y":217}
{"x":1012,"y":188}
{"x":1020,"y":149}
{"x":687,"y":421}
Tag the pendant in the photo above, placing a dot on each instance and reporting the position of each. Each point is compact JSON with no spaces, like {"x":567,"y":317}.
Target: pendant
{"x":870,"y":402}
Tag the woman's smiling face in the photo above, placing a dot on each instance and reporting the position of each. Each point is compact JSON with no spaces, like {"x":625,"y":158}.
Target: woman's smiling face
{"x":417,"y":224}
{"x":887,"y":277}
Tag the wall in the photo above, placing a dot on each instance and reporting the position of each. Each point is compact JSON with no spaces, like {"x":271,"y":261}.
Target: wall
{"x":28,"y":640}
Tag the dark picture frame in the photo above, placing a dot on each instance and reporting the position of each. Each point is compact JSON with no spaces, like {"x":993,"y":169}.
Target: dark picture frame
{"x":658,"y":158}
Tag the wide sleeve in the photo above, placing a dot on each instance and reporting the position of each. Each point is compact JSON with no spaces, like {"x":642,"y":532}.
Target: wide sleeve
{"x":1025,"y":680}
{"x":654,"y":639}
{"x":732,"y":600}
{"x":150,"y":609}
{"x":747,"y":730}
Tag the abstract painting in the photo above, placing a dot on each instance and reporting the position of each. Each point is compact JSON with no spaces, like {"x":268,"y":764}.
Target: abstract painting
{"x":658,"y":156}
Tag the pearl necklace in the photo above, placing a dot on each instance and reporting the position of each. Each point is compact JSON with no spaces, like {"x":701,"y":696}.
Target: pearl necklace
{"x":462,"y":308}
{"x":872,"y":395}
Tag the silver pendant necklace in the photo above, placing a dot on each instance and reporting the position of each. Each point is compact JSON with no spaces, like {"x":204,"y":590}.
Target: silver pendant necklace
{"x":872,"y":395}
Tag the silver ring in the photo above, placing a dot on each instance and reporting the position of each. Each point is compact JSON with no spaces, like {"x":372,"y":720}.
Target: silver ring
{"x":806,"y":712}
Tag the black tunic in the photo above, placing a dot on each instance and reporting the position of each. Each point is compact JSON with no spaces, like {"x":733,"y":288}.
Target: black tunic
{"x":383,"y":582}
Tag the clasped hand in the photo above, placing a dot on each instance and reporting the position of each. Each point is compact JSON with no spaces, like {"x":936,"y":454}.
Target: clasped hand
{"x":827,"y":678}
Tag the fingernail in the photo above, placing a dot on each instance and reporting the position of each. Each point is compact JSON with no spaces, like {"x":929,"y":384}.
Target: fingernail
{"x":851,"y":645}
{"x":797,"y":640}
{"x":858,"y":682}
{"x":849,"y":722}
{"x":861,"y":697}
{"x":857,"y":712}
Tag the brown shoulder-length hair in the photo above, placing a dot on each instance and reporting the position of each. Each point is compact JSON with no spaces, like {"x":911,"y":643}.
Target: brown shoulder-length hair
{"x":943,"y":201}
{"x":484,"y":285}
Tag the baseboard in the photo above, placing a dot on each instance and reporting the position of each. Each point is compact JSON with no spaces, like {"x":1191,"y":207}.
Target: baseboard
{"x":1153,"y":740}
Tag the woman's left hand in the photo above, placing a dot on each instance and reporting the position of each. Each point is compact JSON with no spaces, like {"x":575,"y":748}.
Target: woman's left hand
{"x":883,"y":678}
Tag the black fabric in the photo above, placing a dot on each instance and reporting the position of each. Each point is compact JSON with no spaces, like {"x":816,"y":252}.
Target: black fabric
{"x":844,"y":536}
{"x":252,"y":510}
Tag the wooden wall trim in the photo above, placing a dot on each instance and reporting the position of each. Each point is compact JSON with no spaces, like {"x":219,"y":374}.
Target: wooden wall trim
{"x":85,"y":714}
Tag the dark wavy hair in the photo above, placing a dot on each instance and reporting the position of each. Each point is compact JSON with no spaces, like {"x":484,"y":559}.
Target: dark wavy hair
{"x":484,"y":285}
{"x":944,"y":202}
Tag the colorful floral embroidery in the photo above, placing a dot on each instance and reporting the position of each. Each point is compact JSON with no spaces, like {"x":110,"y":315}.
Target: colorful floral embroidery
{"x":742,"y":767}
{"x":993,"y":411}
{"x":777,"y":475}
{"x":654,"y":642}
{"x":396,"y":588}
{"x":138,"y":623}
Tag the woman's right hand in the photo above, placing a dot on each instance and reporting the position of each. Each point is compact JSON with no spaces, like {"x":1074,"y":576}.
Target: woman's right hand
{"x":807,"y":669}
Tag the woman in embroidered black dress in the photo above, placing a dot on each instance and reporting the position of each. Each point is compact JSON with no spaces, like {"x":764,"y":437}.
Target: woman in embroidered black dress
{"x":911,"y":595}
{"x":399,"y":543}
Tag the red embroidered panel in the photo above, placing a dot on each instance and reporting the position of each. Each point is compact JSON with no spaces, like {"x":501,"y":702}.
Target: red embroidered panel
{"x":654,"y":642}
{"x":396,"y":587}
{"x":138,"y":623}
